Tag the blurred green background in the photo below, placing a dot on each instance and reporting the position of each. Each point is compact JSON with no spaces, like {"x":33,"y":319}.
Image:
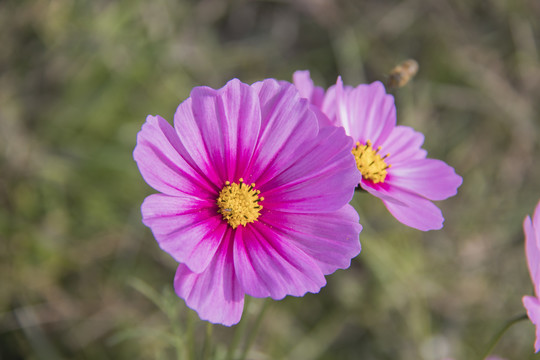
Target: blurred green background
{"x":77,"y":79}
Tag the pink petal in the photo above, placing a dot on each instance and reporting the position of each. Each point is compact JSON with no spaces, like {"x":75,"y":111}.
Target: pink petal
{"x":330,"y":105}
{"x":304,"y":84}
{"x":158,"y":156}
{"x":196,"y":152}
{"x":322,"y":119}
{"x":532,"y":305}
{"x":228,"y":121}
{"x":430,"y":178}
{"x":532,"y":252}
{"x":403,"y":144}
{"x":417,"y":212}
{"x":187,"y":228}
{"x":324,"y":101}
{"x":382,"y":190}
{"x":371,"y":113}
{"x":321,"y":180}
{"x":330,"y":239}
{"x":214,"y":294}
{"x":536,"y":223}
{"x":268,"y":265}
{"x":286,"y":124}
{"x":343,"y":116}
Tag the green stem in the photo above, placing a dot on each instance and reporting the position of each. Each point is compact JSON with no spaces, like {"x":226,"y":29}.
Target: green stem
{"x":190,"y":334}
{"x":178,"y":343}
{"x":207,"y":347}
{"x":177,"y":333}
{"x":253,"y":333}
{"x":171,"y":310}
{"x":501,"y":332}
{"x":239,"y":331}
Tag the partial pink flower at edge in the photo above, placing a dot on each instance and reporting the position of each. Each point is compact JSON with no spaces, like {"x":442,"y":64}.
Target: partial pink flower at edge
{"x":531,"y":229}
{"x":394,"y":167}
{"x":253,"y":196}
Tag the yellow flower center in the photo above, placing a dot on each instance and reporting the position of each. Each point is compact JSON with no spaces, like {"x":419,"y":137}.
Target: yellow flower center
{"x":370,"y":164}
{"x":239,"y":203}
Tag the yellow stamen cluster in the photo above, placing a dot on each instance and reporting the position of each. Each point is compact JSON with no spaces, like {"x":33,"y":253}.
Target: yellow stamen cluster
{"x":370,"y":164}
{"x":239,"y":203}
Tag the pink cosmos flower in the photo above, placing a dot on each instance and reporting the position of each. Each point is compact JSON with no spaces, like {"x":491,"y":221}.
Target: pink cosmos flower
{"x":253,"y":196}
{"x":532,"y":251}
{"x":393,"y":165}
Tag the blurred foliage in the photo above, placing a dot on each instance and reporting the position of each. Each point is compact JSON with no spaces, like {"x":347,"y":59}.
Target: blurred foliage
{"x":77,"y":79}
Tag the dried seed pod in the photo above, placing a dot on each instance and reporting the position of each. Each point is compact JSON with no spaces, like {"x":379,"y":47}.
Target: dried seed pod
{"x":402,"y":74}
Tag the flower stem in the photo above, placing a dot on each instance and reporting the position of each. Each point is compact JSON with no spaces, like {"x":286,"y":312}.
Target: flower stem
{"x":501,"y":332}
{"x":239,"y":331}
{"x":207,"y":347}
{"x":190,"y":329}
{"x":178,"y":343}
{"x":253,"y":333}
